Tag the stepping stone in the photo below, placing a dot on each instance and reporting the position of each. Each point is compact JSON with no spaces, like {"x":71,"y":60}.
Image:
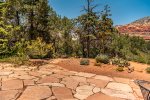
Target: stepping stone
{"x":12,"y":85}
{"x":122,"y":80}
{"x":100,"y":96}
{"x":105,"y":78}
{"x":119,"y":94}
{"x":36,"y":93}
{"x":62,"y":93}
{"x":28,"y":82}
{"x":70,"y":83}
{"x":85,"y":74}
{"x":5,"y":73}
{"x":48,"y":79}
{"x":120,"y":87}
{"x":9,"y":94}
{"x":98,"y":83}
{"x":82,"y":92}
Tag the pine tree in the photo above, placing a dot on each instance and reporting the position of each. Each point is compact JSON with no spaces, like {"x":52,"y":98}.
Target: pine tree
{"x":88,"y":22}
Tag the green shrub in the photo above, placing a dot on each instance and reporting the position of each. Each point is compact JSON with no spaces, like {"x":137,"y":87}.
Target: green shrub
{"x":148,"y":70}
{"x":120,"y":62}
{"x":84,"y":62}
{"x":120,"y":69}
{"x":97,"y":64}
{"x":102,"y":59}
{"x":38,"y":49}
{"x":16,"y":60}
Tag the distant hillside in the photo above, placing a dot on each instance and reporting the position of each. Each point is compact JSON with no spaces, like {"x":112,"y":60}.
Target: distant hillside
{"x":139,"y":27}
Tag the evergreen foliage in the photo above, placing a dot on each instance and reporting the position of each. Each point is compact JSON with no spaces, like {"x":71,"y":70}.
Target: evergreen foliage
{"x":32,"y":28}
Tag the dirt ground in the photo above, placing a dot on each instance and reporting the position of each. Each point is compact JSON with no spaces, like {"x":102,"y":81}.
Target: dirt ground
{"x":108,"y":70}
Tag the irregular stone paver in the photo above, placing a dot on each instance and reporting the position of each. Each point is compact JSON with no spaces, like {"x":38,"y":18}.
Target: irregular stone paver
{"x":138,"y":92}
{"x":105,"y":78}
{"x":96,"y":90}
{"x":9,"y":94}
{"x":28,"y":82}
{"x":12,"y":85}
{"x":60,"y":76}
{"x":82,"y":92}
{"x":45,"y":72}
{"x":122,"y":80}
{"x":100,"y":96}
{"x":119,"y":94}
{"x":98,"y":83}
{"x":79,"y":79}
{"x":36,"y":74}
{"x":36,"y":93}
{"x":51,"y":98}
{"x":48,"y":79}
{"x":24,"y":77}
{"x":120,"y":87}
{"x":51,"y":82}
{"x":85,"y":74}
{"x":133,"y":85}
{"x":5,"y":73}
{"x":67,"y":73}
{"x":70,"y":83}
{"x":5,"y":65}
{"x":62,"y":93}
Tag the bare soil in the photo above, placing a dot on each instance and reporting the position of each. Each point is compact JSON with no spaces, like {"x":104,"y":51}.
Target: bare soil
{"x":73,"y":64}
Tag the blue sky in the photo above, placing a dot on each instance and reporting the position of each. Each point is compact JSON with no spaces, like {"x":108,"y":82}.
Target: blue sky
{"x":123,"y":11}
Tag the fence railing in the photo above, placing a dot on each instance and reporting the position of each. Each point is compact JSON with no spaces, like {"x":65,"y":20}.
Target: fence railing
{"x":145,"y":88}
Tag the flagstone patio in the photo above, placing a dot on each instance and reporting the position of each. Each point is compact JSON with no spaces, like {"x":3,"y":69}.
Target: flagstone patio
{"x":51,"y":82}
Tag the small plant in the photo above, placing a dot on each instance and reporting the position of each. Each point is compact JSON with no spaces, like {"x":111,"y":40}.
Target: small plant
{"x":97,"y":64}
{"x":148,"y":70}
{"x":120,"y":69}
{"x":102,"y":59}
{"x":120,"y":62}
{"x":84,"y":62}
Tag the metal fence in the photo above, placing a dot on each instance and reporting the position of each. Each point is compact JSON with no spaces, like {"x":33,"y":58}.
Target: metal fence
{"x":144,"y":88}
